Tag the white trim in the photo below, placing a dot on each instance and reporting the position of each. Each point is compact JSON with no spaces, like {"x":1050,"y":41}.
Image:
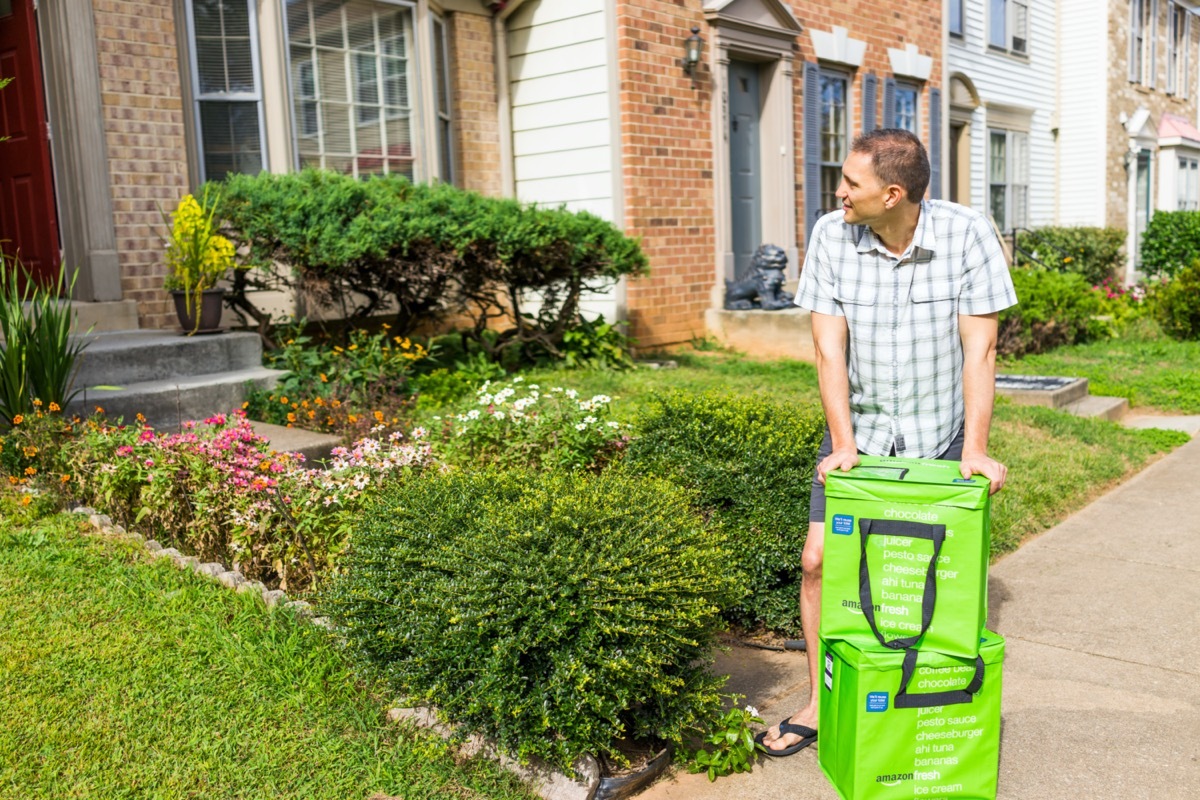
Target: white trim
{"x":837,"y":47}
{"x":908,"y":63}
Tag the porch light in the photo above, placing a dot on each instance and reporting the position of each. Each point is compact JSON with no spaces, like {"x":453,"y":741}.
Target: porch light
{"x":692,"y":47}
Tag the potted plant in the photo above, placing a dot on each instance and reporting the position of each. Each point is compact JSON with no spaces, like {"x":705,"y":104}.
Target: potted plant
{"x":197,"y":258}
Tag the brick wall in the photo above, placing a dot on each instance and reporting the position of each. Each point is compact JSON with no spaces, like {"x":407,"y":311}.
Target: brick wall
{"x":476,"y":124}
{"x":143,"y":123}
{"x":667,"y":139}
{"x":1126,"y":97}
{"x":667,"y":148}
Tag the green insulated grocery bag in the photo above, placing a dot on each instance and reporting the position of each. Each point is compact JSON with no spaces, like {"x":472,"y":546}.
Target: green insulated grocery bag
{"x":902,"y":724}
{"x":906,"y":555}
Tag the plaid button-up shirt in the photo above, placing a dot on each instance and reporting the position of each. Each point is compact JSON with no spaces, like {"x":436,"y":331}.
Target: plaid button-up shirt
{"x":905,"y":355}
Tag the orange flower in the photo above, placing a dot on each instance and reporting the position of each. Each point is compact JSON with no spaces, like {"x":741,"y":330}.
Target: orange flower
{"x":65,"y":478}
{"x":245,"y":405}
{"x":37,"y":403}
{"x":99,"y":410}
{"x":378,"y":416}
{"x":320,"y":401}
{"x":312,"y":414}
{"x":141,"y":417}
{"x":30,"y":451}
{"x":18,"y":419}
{"x":30,"y":471}
{"x":26,"y":500}
{"x":12,"y":479}
{"x":283,"y":401}
{"x":352,"y":419}
{"x":335,"y":403}
{"x":55,"y":406}
{"x":291,"y":417}
{"x":324,"y":378}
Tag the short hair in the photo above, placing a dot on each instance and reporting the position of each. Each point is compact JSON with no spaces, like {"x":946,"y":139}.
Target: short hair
{"x":898,"y":157}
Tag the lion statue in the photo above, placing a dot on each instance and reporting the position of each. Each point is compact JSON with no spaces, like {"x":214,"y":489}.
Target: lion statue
{"x":763,"y":287}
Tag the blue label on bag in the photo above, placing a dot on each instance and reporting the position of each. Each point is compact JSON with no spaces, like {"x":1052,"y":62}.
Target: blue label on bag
{"x":877,"y":701}
{"x":963,"y":480}
{"x":843,"y":524}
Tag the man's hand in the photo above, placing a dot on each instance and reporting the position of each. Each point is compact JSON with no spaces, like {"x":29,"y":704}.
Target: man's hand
{"x":989,"y":468}
{"x":844,"y":460}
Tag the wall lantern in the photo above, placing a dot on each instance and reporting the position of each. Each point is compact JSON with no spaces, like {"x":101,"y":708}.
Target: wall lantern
{"x":692,"y":47}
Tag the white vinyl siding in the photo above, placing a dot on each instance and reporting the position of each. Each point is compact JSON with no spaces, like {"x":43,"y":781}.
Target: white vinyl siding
{"x":1018,"y":84}
{"x":558,"y":85}
{"x":1083,"y":116}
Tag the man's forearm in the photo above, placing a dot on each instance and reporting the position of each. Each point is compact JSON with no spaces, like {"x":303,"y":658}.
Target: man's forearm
{"x":979,"y":385}
{"x":834,"y":379}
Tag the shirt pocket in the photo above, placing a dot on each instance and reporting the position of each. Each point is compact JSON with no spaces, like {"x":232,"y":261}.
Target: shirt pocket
{"x":855,"y":294}
{"x":935,"y":299}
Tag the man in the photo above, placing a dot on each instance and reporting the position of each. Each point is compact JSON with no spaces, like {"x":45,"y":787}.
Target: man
{"x":904,"y":295}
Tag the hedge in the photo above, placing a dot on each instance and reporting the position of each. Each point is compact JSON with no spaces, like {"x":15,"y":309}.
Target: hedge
{"x":557,"y":613}
{"x":750,"y":463}
{"x":1094,"y":253}
{"x":363,"y":247}
{"x":1054,"y":309}
{"x":1171,"y":242}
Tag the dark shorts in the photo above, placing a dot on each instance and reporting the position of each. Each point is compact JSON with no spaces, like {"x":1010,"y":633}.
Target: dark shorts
{"x":816,"y":503}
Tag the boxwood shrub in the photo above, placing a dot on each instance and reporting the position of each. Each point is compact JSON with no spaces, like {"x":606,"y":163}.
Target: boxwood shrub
{"x":1171,"y":242}
{"x":557,"y":613}
{"x":749,"y":463}
{"x":1053,"y":309}
{"x":1094,"y":253}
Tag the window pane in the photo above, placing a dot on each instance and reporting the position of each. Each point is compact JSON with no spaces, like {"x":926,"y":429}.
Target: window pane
{"x":997,"y":172}
{"x":223,"y":53}
{"x":956,"y":16}
{"x":830,"y":178}
{"x":906,"y":109}
{"x":833,"y":119}
{"x":996,"y":206}
{"x":230,"y":138}
{"x":358,"y":96}
{"x":1020,"y":25}
{"x":996,"y":23}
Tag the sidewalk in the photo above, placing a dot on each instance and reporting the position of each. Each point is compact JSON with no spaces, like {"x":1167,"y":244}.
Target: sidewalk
{"x":1102,"y":673}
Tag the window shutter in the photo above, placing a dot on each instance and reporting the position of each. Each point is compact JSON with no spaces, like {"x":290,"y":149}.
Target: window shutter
{"x":868,"y":102}
{"x":1152,"y":44}
{"x":1185,"y":56}
{"x":812,"y":147}
{"x":1135,"y":19}
{"x":889,"y":103}
{"x":935,"y":144}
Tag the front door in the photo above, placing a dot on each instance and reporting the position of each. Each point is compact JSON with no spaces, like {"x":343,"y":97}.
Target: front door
{"x":28,"y":221}
{"x":744,"y":164}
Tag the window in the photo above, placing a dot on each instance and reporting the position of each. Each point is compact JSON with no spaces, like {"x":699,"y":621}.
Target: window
{"x":1178,"y":37}
{"x":1187,"y":184}
{"x":1008,"y":178}
{"x":956,"y":17}
{"x":907,"y":100}
{"x":225,"y":86}
{"x":352,"y":69}
{"x":1008,"y":25}
{"x":441,"y":65}
{"x":835,"y":135}
{"x":1141,"y":41}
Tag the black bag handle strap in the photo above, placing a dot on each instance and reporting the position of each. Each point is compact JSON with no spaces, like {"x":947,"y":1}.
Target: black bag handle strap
{"x":925,"y":700}
{"x":913,"y":530}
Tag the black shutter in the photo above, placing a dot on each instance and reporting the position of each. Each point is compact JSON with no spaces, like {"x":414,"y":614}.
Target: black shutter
{"x":868,"y":104}
{"x":935,"y":144}
{"x":889,"y":103}
{"x":812,"y":147}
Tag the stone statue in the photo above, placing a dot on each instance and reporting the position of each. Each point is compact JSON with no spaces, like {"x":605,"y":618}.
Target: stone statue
{"x":763,"y":287}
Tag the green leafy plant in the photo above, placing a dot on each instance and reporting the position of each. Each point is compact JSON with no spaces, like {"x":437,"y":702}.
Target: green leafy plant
{"x":1177,"y":304}
{"x":1171,"y":242}
{"x":749,"y":464}
{"x":1054,"y":309}
{"x":596,"y":344}
{"x":1094,"y":253}
{"x":733,"y":745}
{"x":197,"y":256}
{"x":558,"y":613}
{"x":39,"y":357}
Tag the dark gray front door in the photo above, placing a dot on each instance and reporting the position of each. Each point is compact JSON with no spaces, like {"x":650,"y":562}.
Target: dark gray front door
{"x":745,"y":179}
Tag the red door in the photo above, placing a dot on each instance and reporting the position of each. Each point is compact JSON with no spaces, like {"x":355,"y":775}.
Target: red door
{"x":28,"y":222}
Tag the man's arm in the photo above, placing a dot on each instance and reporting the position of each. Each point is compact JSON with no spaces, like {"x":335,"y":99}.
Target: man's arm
{"x":978,"y":334}
{"x":830,"y":337}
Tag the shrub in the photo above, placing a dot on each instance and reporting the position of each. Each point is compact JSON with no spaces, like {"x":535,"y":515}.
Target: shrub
{"x":1171,"y":242}
{"x":557,"y":613}
{"x":750,"y":463}
{"x":1177,"y":304}
{"x":360,"y":245}
{"x":1094,"y":253}
{"x":1054,"y":309}
{"x":517,"y":425}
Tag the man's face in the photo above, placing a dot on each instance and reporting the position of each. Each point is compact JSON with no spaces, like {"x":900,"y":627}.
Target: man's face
{"x":861,"y":192}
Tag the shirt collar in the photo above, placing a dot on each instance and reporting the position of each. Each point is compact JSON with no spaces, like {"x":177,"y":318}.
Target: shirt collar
{"x":924,"y":239}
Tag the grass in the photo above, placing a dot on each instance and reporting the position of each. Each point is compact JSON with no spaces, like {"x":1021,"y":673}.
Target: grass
{"x":121,"y":678}
{"x":1157,"y":372}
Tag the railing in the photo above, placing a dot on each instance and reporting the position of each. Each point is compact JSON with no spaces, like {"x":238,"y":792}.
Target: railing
{"x":1020,"y":238}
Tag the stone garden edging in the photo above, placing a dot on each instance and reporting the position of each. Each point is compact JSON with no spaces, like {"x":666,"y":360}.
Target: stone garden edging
{"x":549,"y":783}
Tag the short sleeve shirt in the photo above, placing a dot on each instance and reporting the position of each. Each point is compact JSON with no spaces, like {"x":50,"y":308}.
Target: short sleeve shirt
{"x":905,"y":356}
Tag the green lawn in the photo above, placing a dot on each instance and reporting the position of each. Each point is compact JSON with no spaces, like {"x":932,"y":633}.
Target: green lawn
{"x":1160,"y":373}
{"x":121,"y":678}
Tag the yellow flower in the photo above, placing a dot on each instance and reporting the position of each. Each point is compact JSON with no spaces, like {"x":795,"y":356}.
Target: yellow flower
{"x":37,"y":403}
{"x":30,"y":471}
{"x":12,"y":479}
{"x":291,"y":417}
{"x":18,"y":419}
{"x":55,"y":406}
{"x":324,"y":378}
{"x":141,"y":417}
{"x":30,"y":451}
{"x":245,"y":405}
{"x":335,"y":403}
{"x":378,"y":416}
{"x":26,"y":500}
{"x":352,"y":419}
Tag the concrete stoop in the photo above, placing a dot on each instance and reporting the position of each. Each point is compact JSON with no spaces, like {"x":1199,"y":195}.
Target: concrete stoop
{"x":167,"y":377}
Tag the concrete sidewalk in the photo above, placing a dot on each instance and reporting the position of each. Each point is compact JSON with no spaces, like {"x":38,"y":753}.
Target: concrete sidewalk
{"x":1102,"y":674}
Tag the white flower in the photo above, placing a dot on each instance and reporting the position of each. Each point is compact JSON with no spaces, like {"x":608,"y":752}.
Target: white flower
{"x":533,"y":387}
{"x":601,"y":399}
{"x":473,"y":413}
{"x":613,"y":424}
{"x":752,"y":711}
{"x":557,"y":389}
{"x":581,"y":426}
{"x":518,"y":379}
{"x":589,"y":420}
{"x":571,"y":393}
{"x":418,"y":433}
{"x":498,"y":414}
{"x":485,"y":399}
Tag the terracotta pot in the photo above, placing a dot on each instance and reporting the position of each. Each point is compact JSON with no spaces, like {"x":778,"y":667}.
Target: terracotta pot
{"x":210,"y":311}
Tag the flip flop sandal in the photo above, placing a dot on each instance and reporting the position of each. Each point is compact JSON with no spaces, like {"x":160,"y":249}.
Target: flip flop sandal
{"x":807,"y":737}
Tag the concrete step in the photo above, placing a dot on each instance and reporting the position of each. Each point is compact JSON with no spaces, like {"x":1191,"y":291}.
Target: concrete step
{"x":314,"y":445}
{"x":128,"y":357}
{"x":168,"y":402}
{"x":1110,"y":408}
{"x":1039,"y":390}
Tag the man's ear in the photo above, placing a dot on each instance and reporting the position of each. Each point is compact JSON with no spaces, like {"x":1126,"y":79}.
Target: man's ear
{"x":893,"y":195}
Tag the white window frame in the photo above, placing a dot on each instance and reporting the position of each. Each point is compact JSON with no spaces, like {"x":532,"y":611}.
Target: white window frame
{"x":247,"y":97}
{"x":1143,"y":50}
{"x":915,"y":89}
{"x":447,"y":162}
{"x":1179,"y":23}
{"x":1187,"y":183}
{"x":1014,"y":28}
{"x":1016,"y":178}
{"x":827,"y":167}
{"x":957,"y":5}
{"x":412,"y":62}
